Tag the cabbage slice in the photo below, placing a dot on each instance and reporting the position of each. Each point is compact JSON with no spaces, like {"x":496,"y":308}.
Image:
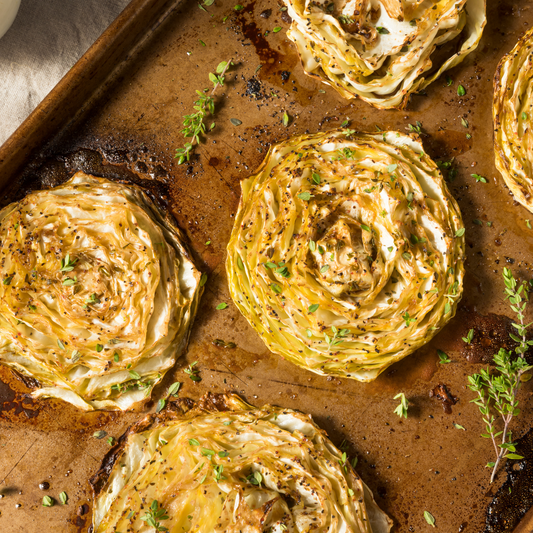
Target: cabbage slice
{"x":383,"y":50}
{"x":513,"y":120}
{"x":224,"y":466}
{"x":347,"y":252}
{"x":98,"y":292}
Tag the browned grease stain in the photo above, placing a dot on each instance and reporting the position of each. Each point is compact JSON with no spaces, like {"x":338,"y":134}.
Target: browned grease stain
{"x":445,"y":144}
{"x":17,"y":406}
{"x":421,"y":365}
{"x":233,"y":360}
{"x":491,"y":332}
{"x":269,"y":58}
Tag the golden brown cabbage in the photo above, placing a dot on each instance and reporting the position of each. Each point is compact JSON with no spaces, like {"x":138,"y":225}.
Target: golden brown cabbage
{"x":513,"y":120}
{"x":347,"y":252}
{"x":98,"y":292}
{"x":383,"y":50}
{"x":227,"y":467}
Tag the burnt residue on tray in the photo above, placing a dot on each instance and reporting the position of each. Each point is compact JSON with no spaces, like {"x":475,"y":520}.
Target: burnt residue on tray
{"x":491,"y":332}
{"x":442,"y":392}
{"x":56,"y":170}
{"x":15,"y":403}
{"x":515,"y":497}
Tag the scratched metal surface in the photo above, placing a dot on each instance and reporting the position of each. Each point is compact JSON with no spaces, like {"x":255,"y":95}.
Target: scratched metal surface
{"x":422,"y":463}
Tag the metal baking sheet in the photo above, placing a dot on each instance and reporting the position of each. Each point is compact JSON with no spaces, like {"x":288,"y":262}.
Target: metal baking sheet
{"x":124,"y":102}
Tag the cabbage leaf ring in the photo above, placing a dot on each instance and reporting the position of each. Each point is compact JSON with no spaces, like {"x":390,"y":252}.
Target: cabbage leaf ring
{"x":347,"y":252}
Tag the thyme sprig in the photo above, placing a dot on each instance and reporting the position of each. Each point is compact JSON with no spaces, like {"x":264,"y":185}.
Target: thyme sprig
{"x":337,"y":337}
{"x":498,"y":391}
{"x":154,"y":515}
{"x":194,"y":123}
{"x":401,"y":410}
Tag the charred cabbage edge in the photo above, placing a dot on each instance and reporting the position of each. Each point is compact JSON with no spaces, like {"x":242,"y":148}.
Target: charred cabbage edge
{"x":243,"y":467}
{"x":383,"y":50}
{"x":513,"y":120}
{"x":103,"y":339}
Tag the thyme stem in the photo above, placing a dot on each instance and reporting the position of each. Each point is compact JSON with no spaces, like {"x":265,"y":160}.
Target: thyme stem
{"x":498,"y":391}
{"x":194,"y":123}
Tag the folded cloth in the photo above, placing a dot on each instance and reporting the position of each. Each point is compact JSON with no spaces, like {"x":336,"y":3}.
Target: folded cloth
{"x":46,"y":39}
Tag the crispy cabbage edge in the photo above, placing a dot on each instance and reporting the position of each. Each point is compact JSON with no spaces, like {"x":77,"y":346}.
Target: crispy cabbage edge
{"x":156,"y":460}
{"x":513,"y":120}
{"x":382,"y":69}
{"x":131,"y":293}
{"x":386,"y":270}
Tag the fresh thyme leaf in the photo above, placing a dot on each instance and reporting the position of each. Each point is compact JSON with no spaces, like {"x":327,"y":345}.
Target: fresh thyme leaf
{"x":160,"y":405}
{"x":461,"y":91}
{"x":110,"y":441}
{"x":366,"y":228}
{"x":48,"y":502}
{"x":458,"y":426}
{"x":312,"y":308}
{"x":194,"y":125}
{"x":306,"y":196}
{"x":479,"y":178}
{"x":408,"y":319}
{"x":67,"y":265}
{"x":276,"y":288}
{"x":430,"y":519}
{"x":221,"y":306}
{"x":324,"y":269}
{"x":238,"y":7}
{"x":401,"y":410}
{"x":382,"y":31}
{"x":460,"y":232}
{"x":444,"y":359}
{"x":464,"y":122}
{"x":312,"y":246}
{"x":194,"y":442}
{"x":63,"y":498}
{"x":276,"y":29}
{"x":174,"y":388}
{"x":417,"y":128}
{"x":60,"y":344}
{"x":154,"y":515}
{"x":100,"y":434}
{"x":203,"y":279}
{"x":235,"y":121}
{"x":497,"y":392}
{"x":316,"y":178}
{"x":193,"y":372}
{"x":255,"y":478}
{"x":286,"y":119}
{"x":8,"y":279}
{"x":99,"y":347}
{"x":134,"y":375}
{"x":469,"y":337}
